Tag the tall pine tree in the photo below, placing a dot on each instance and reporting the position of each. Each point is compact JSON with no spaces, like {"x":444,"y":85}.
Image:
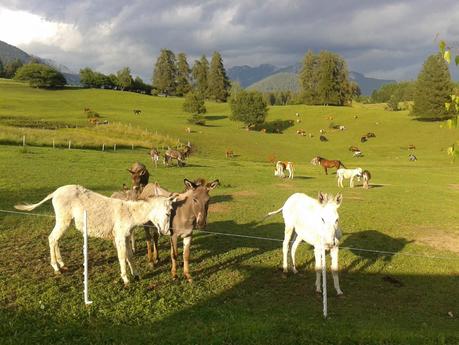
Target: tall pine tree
{"x":433,"y":89}
{"x":333,"y":86}
{"x":183,"y":75}
{"x":309,"y":78}
{"x":200,"y":73}
{"x":218,"y":81}
{"x":165,"y":73}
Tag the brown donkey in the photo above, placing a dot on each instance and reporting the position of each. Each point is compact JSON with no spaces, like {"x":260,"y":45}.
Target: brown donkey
{"x":189,"y":212}
{"x":327,"y":164}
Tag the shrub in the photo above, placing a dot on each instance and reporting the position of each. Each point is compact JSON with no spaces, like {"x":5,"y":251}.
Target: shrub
{"x":248,"y":107}
{"x":194,"y":103}
{"x":197,"y":119}
{"x":39,"y":75}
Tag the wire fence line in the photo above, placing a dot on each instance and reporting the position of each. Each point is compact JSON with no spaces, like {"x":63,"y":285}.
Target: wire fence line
{"x":215,"y":233}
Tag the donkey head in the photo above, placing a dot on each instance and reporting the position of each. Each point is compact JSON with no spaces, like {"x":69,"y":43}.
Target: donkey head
{"x":199,"y":198}
{"x":329,"y":218}
{"x":139,"y":175}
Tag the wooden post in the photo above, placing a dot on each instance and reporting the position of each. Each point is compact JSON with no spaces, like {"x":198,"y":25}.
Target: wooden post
{"x":70,"y":144}
{"x":132,"y":146}
{"x":114,"y":147}
{"x":23,"y":141}
{"x":54,"y":146}
{"x":103,"y":147}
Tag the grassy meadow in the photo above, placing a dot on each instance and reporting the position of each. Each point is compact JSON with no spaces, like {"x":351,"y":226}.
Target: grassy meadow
{"x":239,"y":295}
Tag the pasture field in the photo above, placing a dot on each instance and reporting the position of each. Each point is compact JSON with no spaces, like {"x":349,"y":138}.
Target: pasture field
{"x":239,"y":295}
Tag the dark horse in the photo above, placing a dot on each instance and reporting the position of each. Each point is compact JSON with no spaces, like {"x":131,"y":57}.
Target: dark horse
{"x":326,"y":164}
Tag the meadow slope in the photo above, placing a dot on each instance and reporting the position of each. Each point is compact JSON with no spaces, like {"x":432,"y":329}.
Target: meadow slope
{"x":239,"y":295}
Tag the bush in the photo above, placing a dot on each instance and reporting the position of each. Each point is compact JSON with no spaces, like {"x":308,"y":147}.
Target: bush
{"x":194,"y":103}
{"x":41,"y":76}
{"x":197,"y":119}
{"x":248,"y":107}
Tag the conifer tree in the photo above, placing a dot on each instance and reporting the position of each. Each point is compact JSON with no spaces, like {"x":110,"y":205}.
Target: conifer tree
{"x":433,"y":89}
{"x":333,"y":85}
{"x":218,"y":81}
{"x":165,"y":73}
{"x":200,"y":73}
{"x":309,"y":78}
{"x":183,"y":75}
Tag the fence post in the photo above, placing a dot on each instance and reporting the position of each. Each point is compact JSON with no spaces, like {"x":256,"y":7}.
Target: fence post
{"x":114,"y":147}
{"x":70,"y":144}
{"x":103,"y":147}
{"x":324,"y":282}
{"x":132,"y":146}
{"x":54,"y":146}
{"x":23,"y":141}
{"x":85,"y":258}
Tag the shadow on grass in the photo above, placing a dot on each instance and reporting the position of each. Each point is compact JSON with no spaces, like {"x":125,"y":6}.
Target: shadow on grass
{"x":276,"y":126}
{"x":215,"y":117}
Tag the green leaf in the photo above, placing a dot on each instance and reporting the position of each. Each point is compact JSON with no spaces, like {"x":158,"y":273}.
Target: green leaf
{"x":456,"y":60}
{"x":447,"y":56}
{"x":447,"y":106}
{"x":442,"y":46}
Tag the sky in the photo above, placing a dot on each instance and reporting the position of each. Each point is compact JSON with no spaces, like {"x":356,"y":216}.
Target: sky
{"x":382,"y":39}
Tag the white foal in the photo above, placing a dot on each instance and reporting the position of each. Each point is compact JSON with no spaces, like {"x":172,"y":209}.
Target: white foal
{"x":348,"y":173}
{"x":317,"y":223}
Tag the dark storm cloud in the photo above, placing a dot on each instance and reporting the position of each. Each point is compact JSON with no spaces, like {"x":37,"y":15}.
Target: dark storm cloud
{"x":386,"y":39}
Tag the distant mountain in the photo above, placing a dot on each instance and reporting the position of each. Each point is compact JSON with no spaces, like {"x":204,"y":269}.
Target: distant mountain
{"x":368,"y":85}
{"x":246,"y":75}
{"x":9,"y":53}
{"x":265,"y":77}
{"x":282,"y":81}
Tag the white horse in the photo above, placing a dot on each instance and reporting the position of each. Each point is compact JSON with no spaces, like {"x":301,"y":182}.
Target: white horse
{"x":281,"y":167}
{"x":317,"y":223}
{"x":348,"y":173}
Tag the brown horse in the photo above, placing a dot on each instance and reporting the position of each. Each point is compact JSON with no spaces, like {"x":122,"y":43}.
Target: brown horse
{"x":327,"y":164}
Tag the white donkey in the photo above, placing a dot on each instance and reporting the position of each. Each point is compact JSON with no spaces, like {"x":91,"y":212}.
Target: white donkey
{"x":108,"y":218}
{"x":281,"y":167}
{"x":348,"y":173}
{"x":317,"y":223}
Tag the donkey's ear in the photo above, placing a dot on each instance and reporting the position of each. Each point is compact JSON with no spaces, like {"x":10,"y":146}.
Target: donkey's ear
{"x":322,"y":197}
{"x":338,"y":199}
{"x":213,"y":184}
{"x":130,"y":171}
{"x":189,"y":184}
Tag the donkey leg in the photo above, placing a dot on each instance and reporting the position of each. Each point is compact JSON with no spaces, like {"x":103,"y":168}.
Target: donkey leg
{"x":334,"y":268}
{"x":58,"y":230}
{"x":147,"y":229}
{"x":293,"y":253}
{"x":130,"y":258}
{"x":174,"y":256}
{"x":318,"y":267}
{"x":186,"y":258}
{"x":120,"y":242}
{"x":326,"y":172}
{"x":287,"y":235}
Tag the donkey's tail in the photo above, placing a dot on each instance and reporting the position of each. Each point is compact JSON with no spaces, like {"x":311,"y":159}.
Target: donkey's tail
{"x":342,"y":165}
{"x":272,"y":213}
{"x":30,"y":207}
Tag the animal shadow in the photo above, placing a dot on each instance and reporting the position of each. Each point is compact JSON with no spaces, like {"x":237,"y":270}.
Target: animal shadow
{"x":370,"y":246}
{"x":215,"y":117}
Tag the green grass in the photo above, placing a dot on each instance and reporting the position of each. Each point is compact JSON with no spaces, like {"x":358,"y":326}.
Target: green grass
{"x":239,"y":295}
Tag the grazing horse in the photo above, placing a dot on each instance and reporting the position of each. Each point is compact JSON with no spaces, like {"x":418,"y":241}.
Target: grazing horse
{"x":171,"y":154}
{"x":366,"y":176}
{"x":327,"y":164}
{"x":363,"y":139}
{"x":412,"y":158}
{"x":137,"y":111}
{"x":323,"y":138}
{"x":350,"y":174}
{"x":229,"y":153}
{"x":353,"y":148}
{"x":189,"y":212}
{"x":317,"y":223}
{"x":371,"y":135}
{"x":281,"y":167}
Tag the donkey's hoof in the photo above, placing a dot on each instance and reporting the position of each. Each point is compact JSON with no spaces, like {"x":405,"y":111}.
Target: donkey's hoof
{"x":189,"y":279}
{"x":294,"y":270}
{"x":63,"y":269}
{"x":57,"y":273}
{"x":340,"y":295}
{"x":136,"y":277}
